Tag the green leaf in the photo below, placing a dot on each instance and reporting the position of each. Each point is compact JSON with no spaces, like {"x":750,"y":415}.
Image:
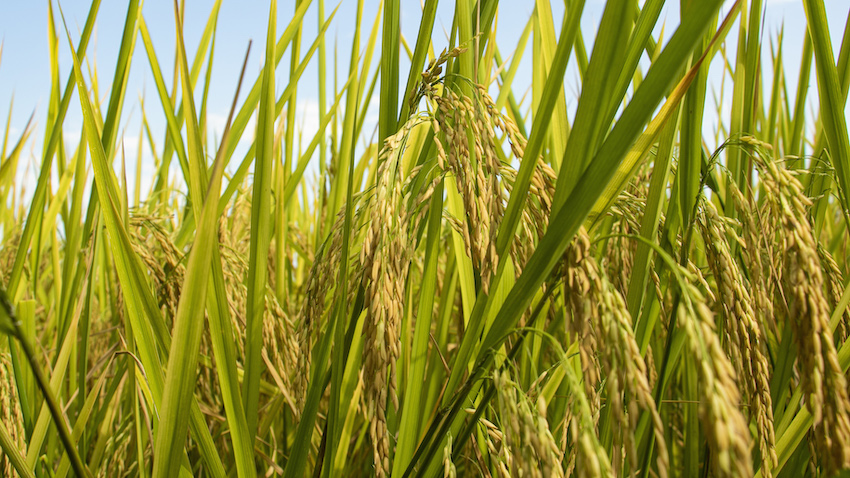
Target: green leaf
{"x":260,"y":232}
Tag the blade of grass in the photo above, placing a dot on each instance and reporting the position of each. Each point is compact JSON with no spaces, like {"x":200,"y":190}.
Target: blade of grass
{"x":260,"y":233}
{"x":831,"y":98}
{"x":417,"y":62}
{"x":8,"y":320}
{"x":188,"y":324}
{"x":130,"y":276}
{"x":606,"y":62}
{"x":388,"y":107}
{"x":340,"y":309}
{"x":40,"y":194}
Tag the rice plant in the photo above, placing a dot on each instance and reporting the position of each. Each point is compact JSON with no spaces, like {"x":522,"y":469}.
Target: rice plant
{"x":494,"y":282}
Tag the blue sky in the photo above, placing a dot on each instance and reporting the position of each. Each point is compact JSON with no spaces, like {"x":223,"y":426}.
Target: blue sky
{"x":24,"y":68}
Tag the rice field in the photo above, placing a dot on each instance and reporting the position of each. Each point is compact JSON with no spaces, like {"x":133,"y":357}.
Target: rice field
{"x":499,"y":280}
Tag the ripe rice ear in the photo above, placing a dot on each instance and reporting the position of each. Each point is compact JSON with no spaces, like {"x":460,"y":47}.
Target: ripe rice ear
{"x":719,"y":410}
{"x":744,"y":341}
{"x":821,"y":376}
{"x":598,"y":315}
{"x":385,"y":259}
{"x":530,"y":449}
